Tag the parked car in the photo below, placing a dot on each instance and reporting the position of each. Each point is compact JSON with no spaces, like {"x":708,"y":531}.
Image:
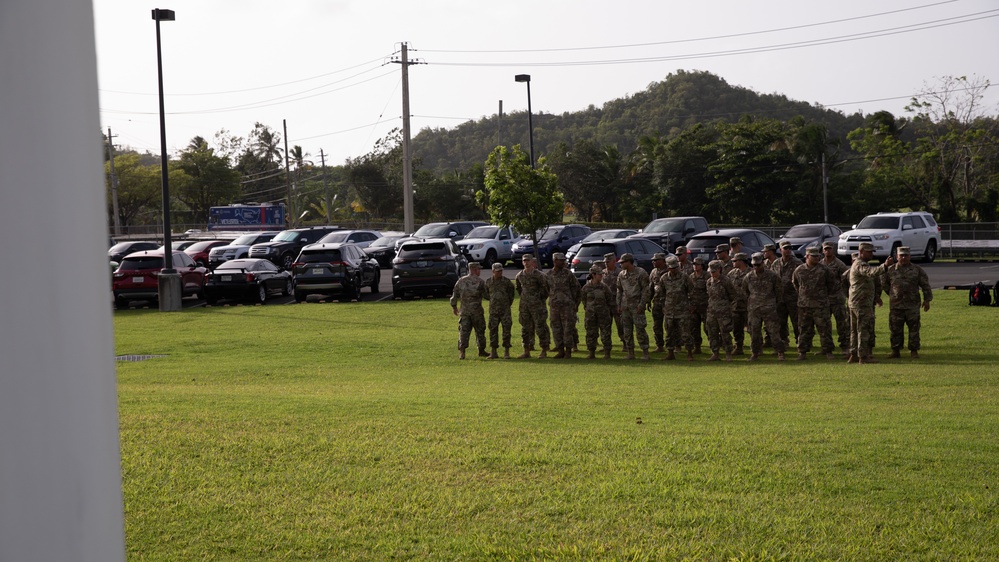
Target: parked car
{"x":887,"y":231}
{"x":383,"y":249}
{"x":136,"y":277}
{"x":238,"y":248}
{"x":593,"y":253}
{"x":671,"y":232}
{"x":804,"y":236}
{"x":551,"y":239}
{"x":452,"y":230}
{"x":287,"y":244}
{"x":117,"y":252}
{"x":360,"y":238}
{"x":199,"y":250}
{"x":704,"y":244}
{"x":605,"y":234}
{"x":427,"y":267}
{"x":329,"y":268}
{"x":178,"y":245}
{"x":489,"y":244}
{"x":246,"y":279}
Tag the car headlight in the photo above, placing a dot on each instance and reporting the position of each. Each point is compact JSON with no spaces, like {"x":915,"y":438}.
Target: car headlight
{"x":880,"y":236}
{"x":515,"y":247}
{"x":475,"y":247}
{"x":844,"y":236}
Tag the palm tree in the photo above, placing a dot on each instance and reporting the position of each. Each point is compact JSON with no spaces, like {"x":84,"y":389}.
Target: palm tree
{"x":266,"y":144}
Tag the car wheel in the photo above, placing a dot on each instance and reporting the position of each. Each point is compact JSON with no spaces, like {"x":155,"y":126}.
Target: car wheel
{"x":288,"y":288}
{"x":489,"y":259}
{"x":931,"y":252}
{"x":120,"y":303}
{"x":299,"y":296}
{"x":261,"y":294}
{"x":286,"y":261}
{"x":211,"y":300}
{"x":377,"y":281}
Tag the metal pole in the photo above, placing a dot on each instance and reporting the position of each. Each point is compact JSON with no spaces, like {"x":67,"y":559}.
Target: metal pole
{"x":167,"y":15}
{"x":326,"y":190}
{"x":530,"y":121}
{"x":114,"y":187}
{"x":407,"y":157}
{"x":825,"y":189}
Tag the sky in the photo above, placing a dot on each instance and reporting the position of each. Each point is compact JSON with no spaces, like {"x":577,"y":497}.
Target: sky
{"x":325,"y":67}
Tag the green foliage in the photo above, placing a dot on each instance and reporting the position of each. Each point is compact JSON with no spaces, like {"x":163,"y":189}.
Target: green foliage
{"x":139,"y":189}
{"x":210,"y":180}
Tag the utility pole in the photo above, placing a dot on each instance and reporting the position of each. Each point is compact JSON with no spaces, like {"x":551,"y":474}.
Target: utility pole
{"x":825,"y":189}
{"x":326,"y":189}
{"x":114,"y":187}
{"x":407,"y":157}
{"x":499,"y":125}
{"x":292,"y":217}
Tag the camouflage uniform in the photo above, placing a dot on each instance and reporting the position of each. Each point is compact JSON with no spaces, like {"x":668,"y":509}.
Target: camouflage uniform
{"x":721,"y":297}
{"x":499,"y":293}
{"x":699,"y":303}
{"x":657,"y":302}
{"x":675,"y":290}
{"x":764,"y":290}
{"x":563,"y":298}
{"x":633,"y":294}
{"x":532,"y":311}
{"x":469,"y":291}
{"x":740,"y":315}
{"x":837,"y":301}
{"x":862,"y":295}
{"x":610,"y":279}
{"x":598,"y":305}
{"x":787,"y":308}
{"x":903,"y":284}
{"x":814,"y":285}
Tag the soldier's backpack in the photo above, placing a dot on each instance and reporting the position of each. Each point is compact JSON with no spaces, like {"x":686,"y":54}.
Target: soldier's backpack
{"x":979,"y":295}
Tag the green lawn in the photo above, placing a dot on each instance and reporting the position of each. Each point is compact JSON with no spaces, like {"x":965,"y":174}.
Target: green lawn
{"x":352,"y":432}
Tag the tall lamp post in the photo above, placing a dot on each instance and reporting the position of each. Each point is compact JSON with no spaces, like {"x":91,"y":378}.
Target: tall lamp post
{"x":530,"y":119}
{"x":168,"y":280}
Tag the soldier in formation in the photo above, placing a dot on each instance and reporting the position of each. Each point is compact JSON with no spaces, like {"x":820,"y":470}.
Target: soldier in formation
{"x":499,"y":292}
{"x":837,"y":298}
{"x":598,"y":312}
{"x":814,"y":282}
{"x":787,"y":308}
{"x":862,"y":278}
{"x":698,"y":303}
{"x":656,"y":306}
{"x":468,"y":293}
{"x":611,"y":271}
{"x":563,"y":300}
{"x":533,"y":312}
{"x":903,"y":283}
{"x":764,"y":289}
{"x":721,"y":297}
{"x":675,"y":287}
{"x":740,"y":314}
{"x":633,"y":295}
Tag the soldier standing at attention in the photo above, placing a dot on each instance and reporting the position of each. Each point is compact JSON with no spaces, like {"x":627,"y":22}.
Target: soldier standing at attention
{"x":675,"y":288}
{"x":698,"y":303}
{"x":633,"y":295}
{"x":765,"y":290}
{"x":611,"y":271}
{"x":533,"y":312}
{"x":659,"y":261}
{"x":837,"y":299}
{"x":499,"y":293}
{"x":563,"y":298}
{"x":740,"y":315}
{"x":769,"y":255}
{"x":736,"y":244}
{"x":722,"y":253}
{"x":862,"y":278}
{"x":598,"y":306}
{"x":686,"y":266}
{"x":469,"y":291}
{"x":903,"y":282}
{"x":787,"y":308}
{"x":721,"y":297}
{"x":814,"y":282}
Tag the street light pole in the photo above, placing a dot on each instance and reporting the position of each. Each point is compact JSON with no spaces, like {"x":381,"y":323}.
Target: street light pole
{"x":530,"y":114}
{"x":168,"y":280}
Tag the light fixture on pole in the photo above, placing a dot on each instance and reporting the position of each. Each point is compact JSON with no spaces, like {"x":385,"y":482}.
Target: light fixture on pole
{"x":530,"y":120}
{"x":168,"y":279}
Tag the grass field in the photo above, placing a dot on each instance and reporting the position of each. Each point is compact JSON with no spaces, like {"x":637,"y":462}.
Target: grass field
{"x":352,"y":432}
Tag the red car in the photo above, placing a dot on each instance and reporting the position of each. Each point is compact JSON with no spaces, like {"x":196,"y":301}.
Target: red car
{"x":199,"y":250}
{"x":136,"y":277}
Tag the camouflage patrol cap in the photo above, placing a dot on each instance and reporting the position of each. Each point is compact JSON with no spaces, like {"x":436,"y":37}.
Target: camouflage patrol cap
{"x":828,"y":245}
{"x":785,"y":244}
{"x":740,"y":256}
{"x":770,"y":247}
{"x":866,"y":246}
{"x":699,"y":261}
{"x":680,"y":250}
{"x":723,"y":248}
{"x":757,"y":258}
{"x":497,"y":266}
{"x":527,"y":257}
{"x":558,"y":256}
{"x":672,"y":262}
{"x":715,"y":265}
{"x":658,"y":256}
{"x":474,"y":265}
{"x":735,"y":241}
{"x":902,"y":251}
{"x":627,"y":257}
{"x":610,"y":256}
{"x":596,"y":270}
{"x":813,"y":251}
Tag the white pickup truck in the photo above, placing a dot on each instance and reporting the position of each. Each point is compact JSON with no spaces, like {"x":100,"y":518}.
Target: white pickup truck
{"x":489,"y":244}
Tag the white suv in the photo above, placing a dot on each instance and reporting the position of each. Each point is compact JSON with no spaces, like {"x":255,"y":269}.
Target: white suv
{"x":888,"y":231}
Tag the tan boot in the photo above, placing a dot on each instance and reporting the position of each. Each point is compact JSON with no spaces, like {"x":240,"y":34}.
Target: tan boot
{"x":914,"y":354}
{"x":592,"y":354}
{"x":461,"y":353}
{"x":645,"y":355}
{"x":780,"y":355}
{"x":631,"y":355}
{"x":658,"y":349}
{"x":493,"y":355}
{"x":714,"y":356}
{"x":506,"y":353}
{"x":526,"y":354}
{"x":894,"y":354}
{"x":543,"y":354}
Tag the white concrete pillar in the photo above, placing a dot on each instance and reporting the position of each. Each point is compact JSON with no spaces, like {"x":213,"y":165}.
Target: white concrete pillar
{"x":60,"y":476}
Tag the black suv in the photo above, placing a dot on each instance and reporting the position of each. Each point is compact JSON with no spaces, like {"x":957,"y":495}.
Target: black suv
{"x":593,"y":252}
{"x":428,"y":266}
{"x":672,"y":231}
{"x":453,"y":230}
{"x":704,"y":244}
{"x":334,"y":267}
{"x":283,"y":248}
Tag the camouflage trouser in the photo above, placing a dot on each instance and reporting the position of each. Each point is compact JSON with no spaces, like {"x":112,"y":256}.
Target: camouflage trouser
{"x":809,"y":320}
{"x":760,"y":320}
{"x":468,"y":322}
{"x":533,"y":318}
{"x":575,"y":328}
{"x":696,"y":323}
{"x":719,"y":329}
{"x":563,"y":319}
{"x":788,"y":310}
{"x":617,"y":325}
{"x":898,"y":320}
{"x":657,"y":323}
{"x":634,"y":323}
{"x":861,"y":331}
{"x":598,"y":322}
{"x":740,"y":318}
{"x":497,"y":319}
{"x":677,"y":333}
{"x":842,"y":315}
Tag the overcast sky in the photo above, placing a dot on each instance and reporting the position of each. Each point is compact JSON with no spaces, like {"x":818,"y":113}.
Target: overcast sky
{"x":325,"y":66}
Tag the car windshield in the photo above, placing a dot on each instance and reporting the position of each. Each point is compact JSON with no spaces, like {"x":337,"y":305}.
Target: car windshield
{"x":425,"y":250}
{"x":234,"y":265}
{"x":335,"y":237}
{"x":590,"y":250}
{"x":320,"y":256}
{"x":483,"y":232}
{"x":433,"y":230}
{"x":877,"y":222}
{"x":144,"y":262}
{"x":551,"y":234}
{"x":199,"y":246}
{"x":246,"y":240}
{"x":706,"y":242}
{"x":665,"y":225}
{"x":120,"y":247}
{"x":384,"y":242}
{"x":287,"y":236}
{"x":804,"y":231}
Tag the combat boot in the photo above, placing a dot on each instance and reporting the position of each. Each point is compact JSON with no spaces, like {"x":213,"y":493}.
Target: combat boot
{"x":482,"y":352}
{"x":738,"y":350}
{"x":461,"y":353}
{"x":607,"y":354}
{"x":802,"y":356}
{"x":780,"y":355}
{"x":697,"y":350}
{"x":914,"y":354}
{"x":631,"y":355}
{"x":714,"y":356}
{"x":868,"y":359}
{"x":853,"y":358}
{"x":670,"y":355}
{"x":506,"y":353}
{"x":754,"y":357}
{"x":728,"y":355}
{"x":568,"y":353}
{"x":894,"y":354}
{"x":526,"y":354}
{"x":592,"y":354}
{"x":645,"y":355}
{"x":561,"y":353}
{"x":543,"y":354}
{"x":690,"y":355}
{"x":493,"y":355}
{"x":658,"y":349}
